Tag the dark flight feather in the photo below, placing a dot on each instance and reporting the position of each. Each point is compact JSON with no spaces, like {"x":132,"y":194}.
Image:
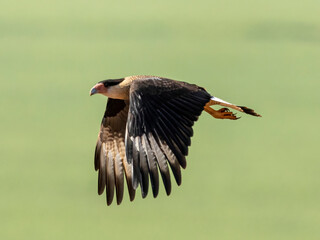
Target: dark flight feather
{"x":162,"y":113}
{"x":153,"y":170}
{"x":102,"y":175}
{"x":144,"y":169}
{"x":97,"y":155}
{"x":110,"y":157}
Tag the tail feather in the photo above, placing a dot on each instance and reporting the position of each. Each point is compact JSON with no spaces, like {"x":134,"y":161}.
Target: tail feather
{"x":249,"y":111}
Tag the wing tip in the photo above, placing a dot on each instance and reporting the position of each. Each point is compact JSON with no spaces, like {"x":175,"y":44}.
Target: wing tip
{"x":132,"y":196}
{"x":183,"y":164}
{"x":131,"y":191}
{"x":143,"y":194}
{"x":119,"y":201}
{"x":109,"y":202}
{"x":178,"y":181}
{"x":155,"y":194}
{"x":100,"y":191}
{"x":155,"y":188}
{"x":119,"y":195}
{"x":168,"y":191}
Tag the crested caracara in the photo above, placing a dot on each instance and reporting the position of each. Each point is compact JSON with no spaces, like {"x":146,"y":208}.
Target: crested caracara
{"x":146,"y":127}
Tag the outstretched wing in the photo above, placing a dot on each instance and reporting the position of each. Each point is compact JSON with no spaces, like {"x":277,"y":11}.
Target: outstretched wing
{"x":159,"y":127}
{"x":110,"y":158}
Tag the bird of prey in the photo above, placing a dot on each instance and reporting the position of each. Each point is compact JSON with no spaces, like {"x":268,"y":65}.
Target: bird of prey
{"x":146,"y":127}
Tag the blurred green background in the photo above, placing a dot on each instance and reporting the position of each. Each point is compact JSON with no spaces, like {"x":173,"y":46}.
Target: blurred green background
{"x":255,"y":178}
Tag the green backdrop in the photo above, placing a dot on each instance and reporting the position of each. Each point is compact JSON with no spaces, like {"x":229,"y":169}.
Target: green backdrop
{"x":255,"y":178}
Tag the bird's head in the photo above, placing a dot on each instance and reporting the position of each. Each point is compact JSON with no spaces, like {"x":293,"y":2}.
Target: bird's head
{"x":103,"y":87}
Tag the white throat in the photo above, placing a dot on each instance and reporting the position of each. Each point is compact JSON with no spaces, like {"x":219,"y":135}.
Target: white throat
{"x":117,"y":92}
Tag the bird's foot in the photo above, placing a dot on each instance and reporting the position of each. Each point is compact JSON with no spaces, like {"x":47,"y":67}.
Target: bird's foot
{"x":223,"y":113}
{"x":222,"y":110}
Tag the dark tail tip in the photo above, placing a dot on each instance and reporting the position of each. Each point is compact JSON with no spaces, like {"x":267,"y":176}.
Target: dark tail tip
{"x":249,"y":111}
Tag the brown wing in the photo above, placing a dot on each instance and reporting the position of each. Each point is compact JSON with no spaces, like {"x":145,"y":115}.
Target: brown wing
{"x":159,"y":127}
{"x":110,"y":157}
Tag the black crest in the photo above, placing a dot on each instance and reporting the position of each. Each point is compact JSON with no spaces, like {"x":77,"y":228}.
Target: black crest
{"x":111,"y":82}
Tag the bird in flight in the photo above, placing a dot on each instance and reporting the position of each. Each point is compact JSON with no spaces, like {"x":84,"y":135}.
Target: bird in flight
{"x":147,"y":127}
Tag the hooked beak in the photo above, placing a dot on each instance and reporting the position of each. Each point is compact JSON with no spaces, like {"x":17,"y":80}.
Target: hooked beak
{"x":98,"y":88}
{"x":93,"y":91}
